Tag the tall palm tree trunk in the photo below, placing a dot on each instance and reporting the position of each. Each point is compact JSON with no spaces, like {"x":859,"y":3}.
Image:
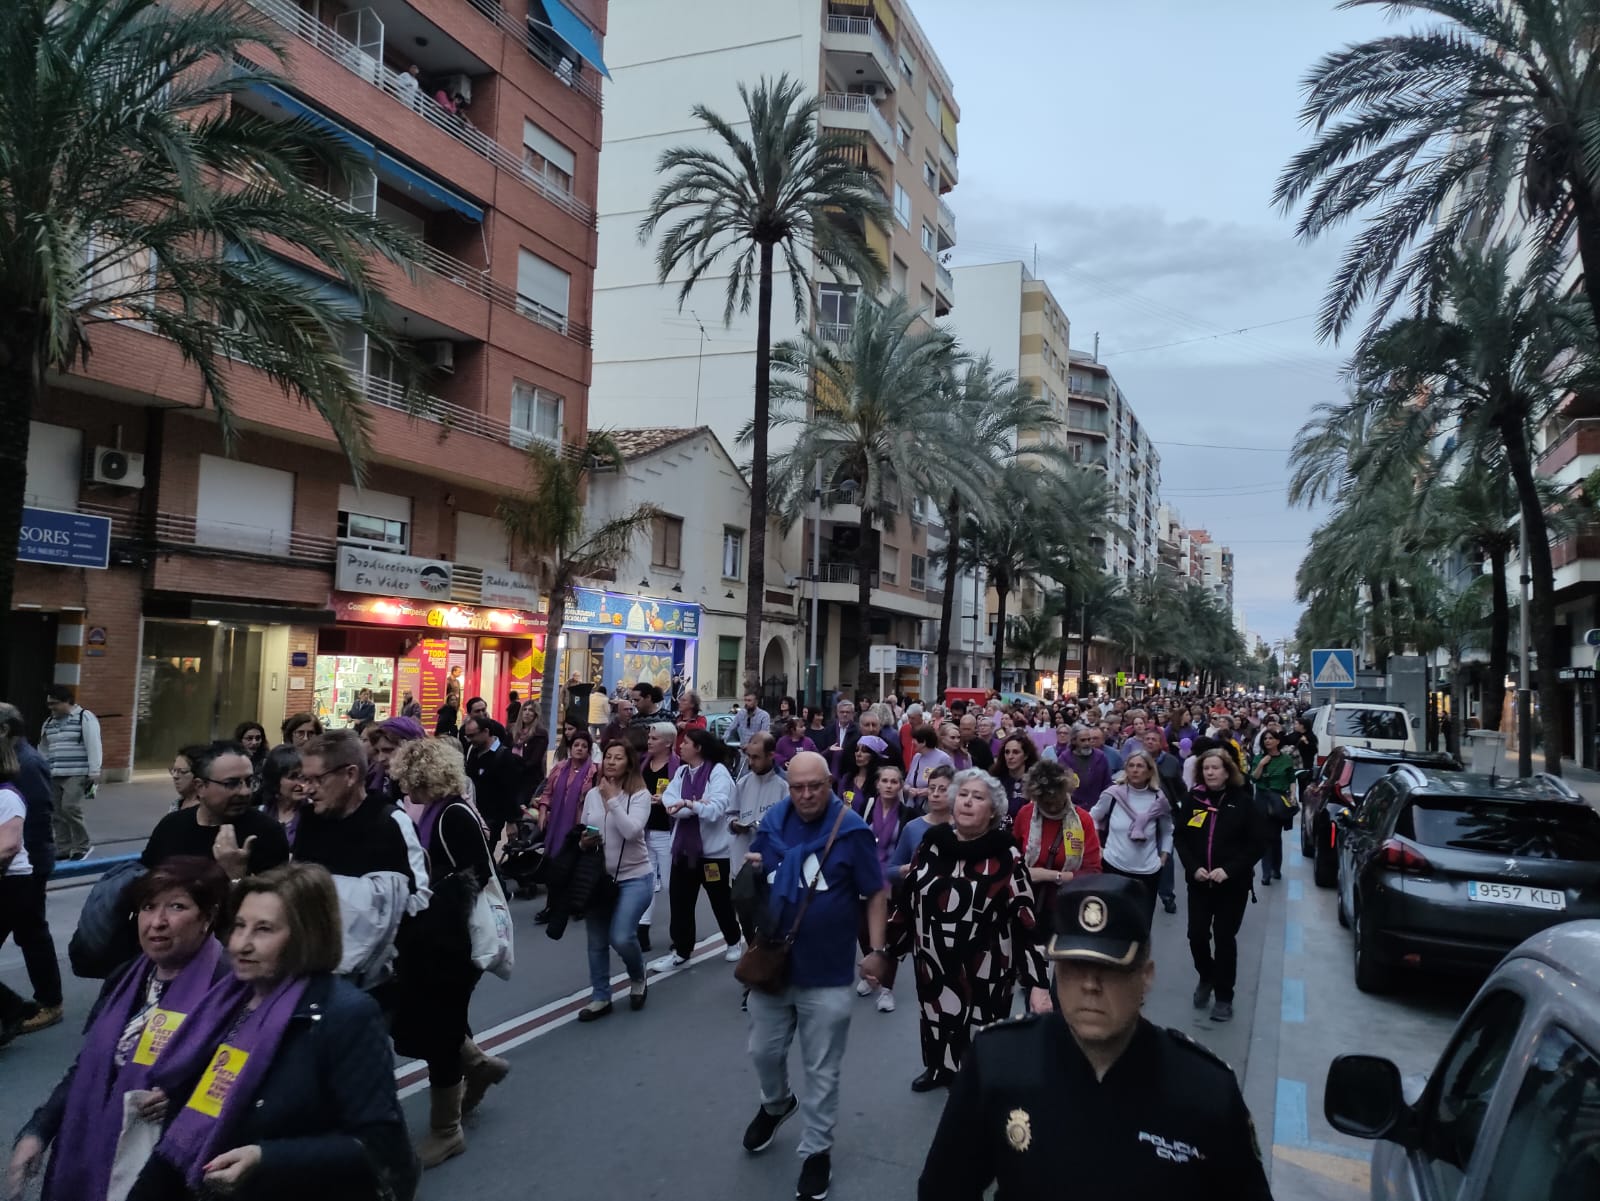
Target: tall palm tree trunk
{"x":1061,"y":651}
{"x":1494,"y":689}
{"x":1542,"y":609}
{"x":1586,"y":215}
{"x":20,"y":389}
{"x":1002,"y":593}
{"x":1380,"y":629}
{"x":864,"y":569}
{"x":551,"y":684}
{"x":755,"y":594}
{"x":1083,"y":658}
{"x":947,"y":610}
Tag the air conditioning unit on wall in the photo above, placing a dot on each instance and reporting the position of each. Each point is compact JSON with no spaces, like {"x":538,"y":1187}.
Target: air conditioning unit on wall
{"x":441,"y":355}
{"x":119,"y":468}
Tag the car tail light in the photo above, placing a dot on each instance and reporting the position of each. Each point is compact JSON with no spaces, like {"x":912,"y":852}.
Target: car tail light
{"x":1403,"y":857}
{"x":1321,"y":759}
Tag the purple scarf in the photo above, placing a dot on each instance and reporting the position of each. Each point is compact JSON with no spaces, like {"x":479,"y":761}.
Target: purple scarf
{"x":212,"y":1106}
{"x":80,"y":1165}
{"x":687,"y":846}
{"x":885,"y":823}
{"x":566,"y":799}
{"x":788,"y":748}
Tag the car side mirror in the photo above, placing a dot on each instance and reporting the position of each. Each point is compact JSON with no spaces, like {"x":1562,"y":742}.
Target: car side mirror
{"x":1364,"y":1098}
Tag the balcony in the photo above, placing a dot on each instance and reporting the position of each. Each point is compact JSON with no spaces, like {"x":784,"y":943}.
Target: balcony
{"x":944,"y":292}
{"x":569,"y":72}
{"x":861,"y":49}
{"x":832,"y":331}
{"x":448,"y":417}
{"x":947,"y":226}
{"x":1090,"y":422}
{"x":1572,"y":455}
{"x":186,"y":530}
{"x":949,"y":177}
{"x":854,"y":111}
{"x":1086,"y":387}
{"x":372,"y":71}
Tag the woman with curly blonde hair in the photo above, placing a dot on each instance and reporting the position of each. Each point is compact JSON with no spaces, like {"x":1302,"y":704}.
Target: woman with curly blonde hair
{"x":435,"y":973}
{"x":1058,"y":838}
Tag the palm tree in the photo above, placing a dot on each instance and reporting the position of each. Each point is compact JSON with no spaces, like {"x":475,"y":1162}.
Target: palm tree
{"x":133,"y":191}
{"x":1495,"y":368}
{"x":1033,"y":634}
{"x":548,"y":522}
{"x":1437,"y":131}
{"x":991,"y":409}
{"x":870,"y":411}
{"x":788,"y":187}
{"x":1455,"y":621}
{"x":1096,"y":604}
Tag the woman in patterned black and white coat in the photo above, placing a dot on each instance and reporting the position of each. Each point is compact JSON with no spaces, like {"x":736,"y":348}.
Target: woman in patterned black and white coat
{"x":966,"y":914}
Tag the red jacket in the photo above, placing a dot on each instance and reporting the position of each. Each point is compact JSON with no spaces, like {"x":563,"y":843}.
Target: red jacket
{"x":1051,"y":830}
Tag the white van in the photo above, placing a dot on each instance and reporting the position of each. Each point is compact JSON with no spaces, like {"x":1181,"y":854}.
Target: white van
{"x":1382,"y":727}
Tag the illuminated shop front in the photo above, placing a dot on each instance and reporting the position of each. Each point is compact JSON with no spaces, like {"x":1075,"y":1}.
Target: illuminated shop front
{"x":610,"y":638}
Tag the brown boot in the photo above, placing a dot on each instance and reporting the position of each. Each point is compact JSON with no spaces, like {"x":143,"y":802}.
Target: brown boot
{"x":444,"y":1127}
{"x":480,"y":1072}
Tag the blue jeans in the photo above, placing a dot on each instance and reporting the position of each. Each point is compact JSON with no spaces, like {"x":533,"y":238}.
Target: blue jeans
{"x":621,"y":933}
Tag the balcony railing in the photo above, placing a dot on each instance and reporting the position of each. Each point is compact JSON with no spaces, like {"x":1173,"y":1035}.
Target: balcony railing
{"x":574,"y":75}
{"x":187,"y":529}
{"x":448,"y":416}
{"x":946,"y":281}
{"x":947,"y":218}
{"x":1579,"y":436}
{"x":832,"y":331}
{"x":864,"y":27}
{"x":361,"y":64}
{"x":1093,"y":423}
{"x":855,"y":102}
{"x":947,"y":157}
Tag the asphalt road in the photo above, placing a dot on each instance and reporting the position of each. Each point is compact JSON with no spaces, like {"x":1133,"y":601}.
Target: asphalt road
{"x":653,"y":1104}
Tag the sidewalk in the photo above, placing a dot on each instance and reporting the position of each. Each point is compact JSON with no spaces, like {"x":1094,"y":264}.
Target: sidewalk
{"x":1584,"y":781}
{"x":121,"y":816}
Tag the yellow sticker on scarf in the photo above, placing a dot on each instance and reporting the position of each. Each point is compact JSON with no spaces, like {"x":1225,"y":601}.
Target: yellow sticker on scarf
{"x":161,"y":1026}
{"x":1199,"y":818}
{"x":211,"y":1094}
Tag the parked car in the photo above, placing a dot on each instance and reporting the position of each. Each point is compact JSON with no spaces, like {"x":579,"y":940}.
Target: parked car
{"x":721,"y":725}
{"x":1339,"y":784}
{"x":1512,"y":1109}
{"x":1447,"y":871}
{"x":1350,"y":723}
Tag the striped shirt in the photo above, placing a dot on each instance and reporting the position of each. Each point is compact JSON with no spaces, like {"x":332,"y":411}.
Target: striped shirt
{"x":72,"y":743}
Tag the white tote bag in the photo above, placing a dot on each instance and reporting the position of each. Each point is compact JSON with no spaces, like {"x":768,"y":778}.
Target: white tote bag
{"x":135,"y":1145}
{"x":493,"y":939}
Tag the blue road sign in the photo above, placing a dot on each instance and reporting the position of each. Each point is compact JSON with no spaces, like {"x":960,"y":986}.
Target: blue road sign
{"x":64,"y":539}
{"x":1333,"y":668}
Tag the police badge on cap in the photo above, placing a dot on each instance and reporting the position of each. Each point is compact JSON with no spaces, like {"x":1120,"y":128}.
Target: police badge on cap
{"x":1100,"y":919}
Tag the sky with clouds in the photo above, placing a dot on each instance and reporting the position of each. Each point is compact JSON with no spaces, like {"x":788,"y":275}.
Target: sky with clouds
{"x":1133,"y":149}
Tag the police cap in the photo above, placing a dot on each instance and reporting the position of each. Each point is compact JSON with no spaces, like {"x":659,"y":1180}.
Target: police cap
{"x":1100,"y":919}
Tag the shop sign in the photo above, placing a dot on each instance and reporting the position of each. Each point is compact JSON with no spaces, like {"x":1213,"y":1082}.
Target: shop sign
{"x":376,"y":573}
{"x":386,"y":612}
{"x":591,"y":609}
{"x":1576,"y":673}
{"x":64,"y":539}
{"x":512,"y":588}
{"x":910,"y":658}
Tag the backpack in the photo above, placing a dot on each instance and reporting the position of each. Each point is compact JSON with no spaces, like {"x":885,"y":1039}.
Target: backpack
{"x":106,"y":937}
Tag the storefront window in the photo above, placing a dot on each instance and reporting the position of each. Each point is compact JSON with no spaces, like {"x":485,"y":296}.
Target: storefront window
{"x":342,"y":678}
{"x":727,"y":666}
{"x":197,"y":682}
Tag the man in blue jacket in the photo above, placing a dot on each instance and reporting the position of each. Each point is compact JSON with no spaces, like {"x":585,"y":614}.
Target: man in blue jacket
{"x":822,"y":866}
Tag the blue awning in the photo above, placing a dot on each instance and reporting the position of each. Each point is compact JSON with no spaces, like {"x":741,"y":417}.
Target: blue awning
{"x":331,"y":292}
{"x":281,"y":99}
{"x":572,"y":30}
{"x":395,"y":173}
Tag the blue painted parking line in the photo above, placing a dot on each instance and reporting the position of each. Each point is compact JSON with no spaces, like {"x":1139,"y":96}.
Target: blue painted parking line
{"x":1294,"y":1000}
{"x":1294,"y":938}
{"x":1297,"y":890}
{"x":1290,"y":1126}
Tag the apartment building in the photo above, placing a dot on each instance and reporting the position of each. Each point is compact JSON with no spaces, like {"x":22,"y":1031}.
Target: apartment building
{"x":209,"y":588}
{"x":1216,"y":568}
{"x":878,"y":77}
{"x":1108,"y":435}
{"x":1175,"y":547}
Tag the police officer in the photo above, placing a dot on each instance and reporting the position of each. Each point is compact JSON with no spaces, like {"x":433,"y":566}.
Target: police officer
{"x":1094,"y":1100}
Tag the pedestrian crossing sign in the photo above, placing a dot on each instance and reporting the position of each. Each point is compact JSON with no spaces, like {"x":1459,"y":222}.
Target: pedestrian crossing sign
{"x":1333,"y":668}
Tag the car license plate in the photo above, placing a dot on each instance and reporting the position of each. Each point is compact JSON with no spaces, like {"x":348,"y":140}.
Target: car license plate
{"x":1516,"y":894}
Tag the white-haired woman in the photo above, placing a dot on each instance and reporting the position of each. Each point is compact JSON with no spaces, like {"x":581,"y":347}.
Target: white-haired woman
{"x":967,"y":917}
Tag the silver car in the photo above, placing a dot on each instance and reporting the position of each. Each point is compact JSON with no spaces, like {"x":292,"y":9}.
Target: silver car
{"x":1511,"y":1112}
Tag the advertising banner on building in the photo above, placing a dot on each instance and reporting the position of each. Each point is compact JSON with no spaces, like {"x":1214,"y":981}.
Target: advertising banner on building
{"x":514,"y":589}
{"x":591,"y":609}
{"x":377,"y":573}
{"x":377,"y":610}
{"x":64,"y":539}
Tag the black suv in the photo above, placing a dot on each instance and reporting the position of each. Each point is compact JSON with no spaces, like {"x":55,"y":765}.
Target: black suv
{"x":1450,"y":870}
{"x":1339,"y":783}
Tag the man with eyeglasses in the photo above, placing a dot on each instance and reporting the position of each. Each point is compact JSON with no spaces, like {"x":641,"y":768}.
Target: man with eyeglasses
{"x":347,"y":832}
{"x":224,"y":825}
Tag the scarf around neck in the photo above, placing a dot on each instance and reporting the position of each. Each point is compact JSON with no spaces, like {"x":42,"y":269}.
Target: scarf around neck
{"x":885,"y":823}
{"x":787,"y":875}
{"x":567,"y":787}
{"x":1140,"y":821}
{"x":85,"y":1147}
{"x":687,"y":845}
{"x":1071,"y":839}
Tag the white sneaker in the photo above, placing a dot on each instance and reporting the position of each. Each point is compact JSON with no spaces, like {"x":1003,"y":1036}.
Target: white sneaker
{"x":885,"y":1001}
{"x":863,"y":989}
{"x":734,"y":953}
{"x":667,"y":962}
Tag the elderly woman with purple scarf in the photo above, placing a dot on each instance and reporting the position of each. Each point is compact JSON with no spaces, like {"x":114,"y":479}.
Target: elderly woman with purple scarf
{"x":179,"y":906}
{"x":435,"y":975}
{"x":561,"y":799}
{"x":699,"y":801}
{"x":280,"y":1081}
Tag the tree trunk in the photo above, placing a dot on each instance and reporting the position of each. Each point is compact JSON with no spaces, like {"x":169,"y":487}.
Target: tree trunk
{"x":1455,"y":739}
{"x":1542,"y":609}
{"x":19,"y":400}
{"x":756,"y":577}
{"x":1061,"y":653}
{"x":1083,"y":654}
{"x":1380,"y":633}
{"x":1001,"y":592}
{"x":549,"y":701}
{"x":1494,"y":689}
{"x":947,"y":610}
{"x":864,"y":569}
{"x":1586,"y":215}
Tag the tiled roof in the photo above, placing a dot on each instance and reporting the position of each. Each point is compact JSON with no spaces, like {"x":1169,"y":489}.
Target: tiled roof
{"x":636,"y":443}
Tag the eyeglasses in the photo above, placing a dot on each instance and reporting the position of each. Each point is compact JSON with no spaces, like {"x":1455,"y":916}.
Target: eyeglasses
{"x":232,"y":783}
{"x":177,"y":773}
{"x":314,"y":780}
{"x":804,"y":786}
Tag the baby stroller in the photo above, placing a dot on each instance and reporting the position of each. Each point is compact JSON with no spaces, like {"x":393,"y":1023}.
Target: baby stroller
{"x":522,"y":863}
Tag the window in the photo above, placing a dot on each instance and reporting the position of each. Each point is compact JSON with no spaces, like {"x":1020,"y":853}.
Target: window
{"x":906,"y":73}
{"x":889,"y":563}
{"x":929,"y":239}
{"x":1551,"y":1145}
{"x":244,"y":507}
{"x":55,"y":466}
{"x":482,"y":541}
{"x":381,"y":520}
{"x":666,"y":542}
{"x":836,"y":310}
{"x":931,"y":103}
{"x":919,"y":509}
{"x":930,"y":174}
{"x":543,"y":291}
{"x":902,"y":206}
{"x":1388,"y":724}
{"x":535,"y":415}
{"x":1459,"y":1093}
{"x":546,"y":159}
{"x":927,"y":299}
{"x":727,"y":666}
{"x":919,"y":571}
{"x":897,"y":276}
{"x":905,"y":135}
{"x":732,"y":552}
{"x":122,"y":278}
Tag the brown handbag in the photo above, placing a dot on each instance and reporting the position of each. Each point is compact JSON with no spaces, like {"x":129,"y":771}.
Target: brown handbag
{"x":764,"y":966}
